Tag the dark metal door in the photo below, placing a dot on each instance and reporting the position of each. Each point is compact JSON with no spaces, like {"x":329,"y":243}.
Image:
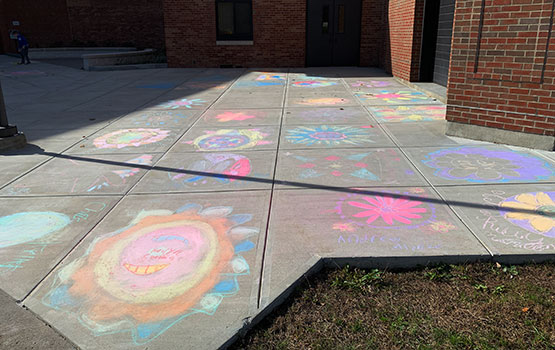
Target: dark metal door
{"x":333,"y":32}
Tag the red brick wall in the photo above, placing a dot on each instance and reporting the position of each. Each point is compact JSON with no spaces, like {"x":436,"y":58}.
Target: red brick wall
{"x":278,"y":29}
{"x":56,"y":23}
{"x":138,"y":23}
{"x":372,"y":32}
{"x":503,"y":78}
{"x":403,"y":37}
{"x":43,"y":23}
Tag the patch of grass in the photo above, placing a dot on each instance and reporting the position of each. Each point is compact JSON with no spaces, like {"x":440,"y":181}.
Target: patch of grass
{"x":473,"y":306}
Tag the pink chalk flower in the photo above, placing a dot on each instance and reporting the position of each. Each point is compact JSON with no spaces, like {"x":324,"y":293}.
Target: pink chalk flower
{"x":389,"y":209}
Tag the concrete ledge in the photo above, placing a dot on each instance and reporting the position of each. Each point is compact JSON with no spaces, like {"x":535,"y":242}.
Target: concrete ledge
{"x":90,"y":62}
{"x":422,"y":88}
{"x":13,"y":142}
{"x":482,"y":133}
{"x":73,"y":52}
{"x":234,"y":42}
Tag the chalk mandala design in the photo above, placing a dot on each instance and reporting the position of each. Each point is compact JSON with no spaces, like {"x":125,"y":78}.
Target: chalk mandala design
{"x":313,"y":83}
{"x":409,"y":114}
{"x":384,"y":212}
{"x":222,"y":164}
{"x":476,"y":164}
{"x":181,"y":103}
{"x":393,"y":96}
{"x":29,"y":226}
{"x":130,"y":137}
{"x":338,"y":166}
{"x":163,"y":267}
{"x":230,"y":116}
{"x":328,"y":135}
{"x":543,"y":203}
{"x":230,"y":139}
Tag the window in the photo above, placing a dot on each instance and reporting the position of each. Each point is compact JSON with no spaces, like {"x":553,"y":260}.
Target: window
{"x":234,"y":19}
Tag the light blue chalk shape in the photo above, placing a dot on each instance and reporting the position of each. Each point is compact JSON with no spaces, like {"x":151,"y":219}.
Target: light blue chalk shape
{"x":358,"y":157}
{"x":28,"y":226}
{"x":244,"y":246}
{"x":365,"y":174}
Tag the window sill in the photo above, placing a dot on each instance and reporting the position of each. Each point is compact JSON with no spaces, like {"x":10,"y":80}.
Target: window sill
{"x":234,"y":42}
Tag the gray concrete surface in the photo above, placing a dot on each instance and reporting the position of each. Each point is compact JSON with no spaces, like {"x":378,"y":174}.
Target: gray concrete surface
{"x":172,"y":208}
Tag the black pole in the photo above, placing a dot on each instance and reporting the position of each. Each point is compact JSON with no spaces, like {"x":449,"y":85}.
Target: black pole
{"x":6,"y":130}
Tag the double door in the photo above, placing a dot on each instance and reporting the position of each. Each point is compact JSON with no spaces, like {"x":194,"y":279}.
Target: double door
{"x":333,"y":32}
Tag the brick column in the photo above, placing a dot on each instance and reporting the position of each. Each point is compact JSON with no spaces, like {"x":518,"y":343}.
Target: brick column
{"x":502,"y":73}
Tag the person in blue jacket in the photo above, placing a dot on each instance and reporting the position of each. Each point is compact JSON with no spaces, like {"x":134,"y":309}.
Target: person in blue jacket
{"x":23,"y":48}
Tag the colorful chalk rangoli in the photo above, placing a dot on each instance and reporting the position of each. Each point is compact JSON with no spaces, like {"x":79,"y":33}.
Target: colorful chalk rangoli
{"x":120,"y":178}
{"x":230,"y":140}
{"x":26,"y":227}
{"x":537,"y":215}
{"x":269,"y":76}
{"x":181,"y":103}
{"x":477,"y":164}
{"x":337,"y":166}
{"x":393,"y":96}
{"x":313,"y":83}
{"x":329,"y":135}
{"x":409,"y":114}
{"x":220,"y":164}
{"x":163,"y":267}
{"x":384,"y":211}
{"x":372,"y":83}
{"x":326,"y":101}
{"x":130,"y":137}
{"x":231,"y":116}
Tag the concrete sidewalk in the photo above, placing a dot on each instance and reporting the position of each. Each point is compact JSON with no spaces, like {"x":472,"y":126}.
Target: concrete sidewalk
{"x":171,"y":208}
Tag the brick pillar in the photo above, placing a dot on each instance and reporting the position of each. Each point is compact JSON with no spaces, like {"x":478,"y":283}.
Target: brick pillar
{"x":502,"y":73}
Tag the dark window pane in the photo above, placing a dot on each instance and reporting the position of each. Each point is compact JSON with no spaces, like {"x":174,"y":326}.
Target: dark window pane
{"x":325,"y":19}
{"x":225,"y":18}
{"x":341,"y":19}
{"x":243,"y":18}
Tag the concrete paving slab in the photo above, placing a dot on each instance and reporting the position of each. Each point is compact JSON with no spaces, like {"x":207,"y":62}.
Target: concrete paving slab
{"x":21,"y":329}
{"x":55,"y":141}
{"x":237,"y":100}
{"x":380,"y":222}
{"x":128,"y":140}
{"x":404,"y":96}
{"x":180,"y":99}
{"x":207,"y":139}
{"x":240,"y":117}
{"x":360,"y":167}
{"x":160,"y":119}
{"x":514,"y":222}
{"x":161,"y":271}
{"x":404,"y":114}
{"x":424,"y":135}
{"x":326,"y":115}
{"x":36,"y":233}
{"x":191,"y":172}
{"x":369,"y":84}
{"x":15,"y":165}
{"x":72,"y":120}
{"x":113,"y":174}
{"x":480,"y":164}
{"x":333,"y":136}
{"x":341,"y":100}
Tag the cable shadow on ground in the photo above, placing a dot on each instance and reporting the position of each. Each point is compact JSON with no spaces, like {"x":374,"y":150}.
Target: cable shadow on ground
{"x":305,"y":185}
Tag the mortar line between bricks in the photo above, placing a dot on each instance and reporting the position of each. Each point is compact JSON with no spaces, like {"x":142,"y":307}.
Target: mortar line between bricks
{"x":267,"y":231}
{"x":434,"y":189}
{"x":107,"y":213}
